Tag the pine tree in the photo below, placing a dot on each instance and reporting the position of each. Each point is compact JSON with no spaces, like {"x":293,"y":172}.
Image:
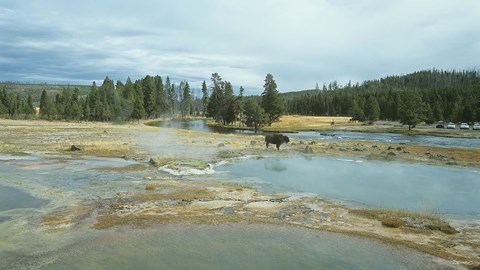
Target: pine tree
{"x":412,"y":110}
{"x":255,"y":115}
{"x":148,"y":88}
{"x":229,"y":105}
{"x":204,"y":98}
{"x":160,"y":97}
{"x":216,"y":101}
{"x":372,"y":109}
{"x":43,"y":102}
{"x":240,"y":109}
{"x":186,"y":100}
{"x":271,"y":100}
{"x":138,"y":111}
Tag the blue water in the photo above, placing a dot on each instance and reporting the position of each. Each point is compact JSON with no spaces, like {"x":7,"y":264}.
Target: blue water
{"x":200,"y":125}
{"x":238,"y":246}
{"x":11,"y":198}
{"x":27,"y":245}
{"x":418,"y":187}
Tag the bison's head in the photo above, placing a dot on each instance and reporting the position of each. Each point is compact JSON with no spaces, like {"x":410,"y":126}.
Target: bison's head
{"x":286,"y":139}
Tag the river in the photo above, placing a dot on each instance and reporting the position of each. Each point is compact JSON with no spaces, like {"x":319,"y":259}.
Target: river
{"x":200,"y":125}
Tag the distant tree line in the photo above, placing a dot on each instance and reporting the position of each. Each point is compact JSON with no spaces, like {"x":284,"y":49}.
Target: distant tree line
{"x":151,"y":97}
{"x":15,"y":105}
{"x":148,"y":97}
{"x":429,"y":95}
{"x":226,"y":108}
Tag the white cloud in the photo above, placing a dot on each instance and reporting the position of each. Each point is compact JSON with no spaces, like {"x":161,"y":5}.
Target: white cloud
{"x":300,"y":42}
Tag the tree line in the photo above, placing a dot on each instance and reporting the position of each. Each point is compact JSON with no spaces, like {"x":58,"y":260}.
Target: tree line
{"x":226,"y":108}
{"x":15,"y":106}
{"x":433,"y":95}
{"x":149,"y":98}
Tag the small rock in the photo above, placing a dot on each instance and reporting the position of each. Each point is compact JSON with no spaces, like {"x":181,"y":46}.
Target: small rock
{"x":399,"y":148}
{"x":342,"y":149}
{"x":75,"y":148}
{"x":301,"y":142}
{"x":312,"y":143}
{"x":221,"y":145}
{"x":308,"y":150}
{"x":357,"y":149}
{"x":252,"y":143}
{"x":153,"y":162}
{"x":374,"y":146}
{"x":390,"y":148}
{"x":391,"y":154}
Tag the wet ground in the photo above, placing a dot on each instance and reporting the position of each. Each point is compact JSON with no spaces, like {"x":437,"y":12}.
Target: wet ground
{"x":103,"y":211}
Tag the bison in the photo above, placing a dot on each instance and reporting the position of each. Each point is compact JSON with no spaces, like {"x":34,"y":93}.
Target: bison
{"x":277,"y":139}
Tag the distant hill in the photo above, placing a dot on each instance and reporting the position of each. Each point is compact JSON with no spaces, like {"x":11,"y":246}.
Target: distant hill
{"x":444,"y":95}
{"x":35,"y":90}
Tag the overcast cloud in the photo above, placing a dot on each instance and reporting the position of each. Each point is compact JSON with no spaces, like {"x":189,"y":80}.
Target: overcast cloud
{"x":301,"y":42}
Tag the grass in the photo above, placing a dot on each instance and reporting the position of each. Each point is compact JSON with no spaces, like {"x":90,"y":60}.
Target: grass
{"x":406,"y":219}
{"x":295,"y":123}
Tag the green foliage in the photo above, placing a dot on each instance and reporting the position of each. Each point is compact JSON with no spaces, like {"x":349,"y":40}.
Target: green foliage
{"x":412,"y":110}
{"x":215,"y":105}
{"x":204,"y":98}
{"x":186,"y":102}
{"x":372,"y":109}
{"x":271,"y":100}
{"x":448,"y":96}
{"x":138,"y":111}
{"x":255,"y":115}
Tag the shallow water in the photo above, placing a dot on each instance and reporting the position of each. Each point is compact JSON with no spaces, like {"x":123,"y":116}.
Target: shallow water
{"x":231,"y":246}
{"x":417,"y":187}
{"x":25,"y":244}
{"x":200,"y":125}
{"x":11,"y":198}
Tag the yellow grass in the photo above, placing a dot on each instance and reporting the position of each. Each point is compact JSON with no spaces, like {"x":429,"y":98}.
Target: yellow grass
{"x":298,"y":123}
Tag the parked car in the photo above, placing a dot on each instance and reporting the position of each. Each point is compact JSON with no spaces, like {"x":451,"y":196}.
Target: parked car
{"x":476,"y":126}
{"x":464,"y":126}
{"x":451,"y":125}
{"x":440,"y":124}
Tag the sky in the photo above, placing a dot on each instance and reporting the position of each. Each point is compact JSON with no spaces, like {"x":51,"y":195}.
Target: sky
{"x":300,"y":42}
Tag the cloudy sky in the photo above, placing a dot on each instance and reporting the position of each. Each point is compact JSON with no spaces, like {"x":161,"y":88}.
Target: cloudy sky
{"x":300,"y":42}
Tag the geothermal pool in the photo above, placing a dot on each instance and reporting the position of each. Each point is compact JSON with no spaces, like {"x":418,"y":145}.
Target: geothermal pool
{"x":51,"y":182}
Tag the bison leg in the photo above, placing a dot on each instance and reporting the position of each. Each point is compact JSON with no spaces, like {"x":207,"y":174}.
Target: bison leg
{"x":278,"y":146}
{"x":267,"y":144}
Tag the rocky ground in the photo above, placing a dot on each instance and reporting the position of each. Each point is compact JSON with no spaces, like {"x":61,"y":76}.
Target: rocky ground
{"x":170,"y":199}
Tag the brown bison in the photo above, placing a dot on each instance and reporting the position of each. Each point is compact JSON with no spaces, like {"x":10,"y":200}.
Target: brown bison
{"x":277,"y":139}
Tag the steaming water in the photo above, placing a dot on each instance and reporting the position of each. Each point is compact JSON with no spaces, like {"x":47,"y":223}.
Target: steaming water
{"x":56,"y":182}
{"x":200,"y":125}
{"x":418,"y":187}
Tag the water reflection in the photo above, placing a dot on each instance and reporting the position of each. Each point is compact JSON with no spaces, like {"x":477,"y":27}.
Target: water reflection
{"x":11,"y":198}
{"x":378,"y":184}
{"x":238,"y":246}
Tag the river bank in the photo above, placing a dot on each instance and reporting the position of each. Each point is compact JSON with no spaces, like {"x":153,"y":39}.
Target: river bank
{"x":171,"y":200}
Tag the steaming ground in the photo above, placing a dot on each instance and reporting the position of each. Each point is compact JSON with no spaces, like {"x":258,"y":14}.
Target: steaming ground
{"x":166,"y":199}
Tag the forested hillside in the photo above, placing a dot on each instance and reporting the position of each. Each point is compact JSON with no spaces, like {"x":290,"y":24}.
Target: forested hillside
{"x":442,"y":95}
{"x":35,"y":90}
{"x":421,"y":96}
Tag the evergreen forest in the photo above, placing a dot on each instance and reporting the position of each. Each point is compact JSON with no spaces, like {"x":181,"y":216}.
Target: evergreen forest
{"x":428,"y":96}
{"x":433,"y":94}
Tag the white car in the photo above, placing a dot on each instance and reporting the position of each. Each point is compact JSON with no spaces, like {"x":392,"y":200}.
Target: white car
{"x":476,"y":126}
{"x":451,"y":125}
{"x":464,"y":126}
